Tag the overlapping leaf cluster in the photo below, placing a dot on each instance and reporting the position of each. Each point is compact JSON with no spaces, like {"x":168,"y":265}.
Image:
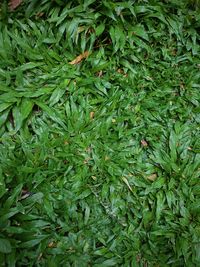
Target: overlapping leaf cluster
{"x":100,"y":156}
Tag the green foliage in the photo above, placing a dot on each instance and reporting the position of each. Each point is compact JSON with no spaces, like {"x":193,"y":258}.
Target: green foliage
{"x":100,"y":160}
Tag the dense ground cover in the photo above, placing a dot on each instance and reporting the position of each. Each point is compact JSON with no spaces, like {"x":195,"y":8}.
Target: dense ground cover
{"x":99,"y":154}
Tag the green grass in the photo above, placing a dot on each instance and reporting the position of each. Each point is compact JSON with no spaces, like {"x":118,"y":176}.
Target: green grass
{"x":100,"y":161}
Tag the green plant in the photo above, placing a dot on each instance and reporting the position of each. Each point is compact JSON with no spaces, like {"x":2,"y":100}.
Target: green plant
{"x":99,"y":147}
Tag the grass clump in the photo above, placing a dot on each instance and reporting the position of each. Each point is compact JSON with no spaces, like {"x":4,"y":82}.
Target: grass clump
{"x":99,"y":147}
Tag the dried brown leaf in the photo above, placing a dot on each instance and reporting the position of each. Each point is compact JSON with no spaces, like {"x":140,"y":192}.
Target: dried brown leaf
{"x":14,"y":4}
{"x":91,"y":115}
{"x":79,"y":58}
{"x":144,"y":143}
{"x":52,"y":244}
{"x":100,"y":73}
{"x":152,"y":177}
{"x":40,"y":14}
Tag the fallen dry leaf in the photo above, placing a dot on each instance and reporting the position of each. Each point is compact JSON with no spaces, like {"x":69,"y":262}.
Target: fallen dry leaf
{"x":52,"y":244}
{"x":91,"y":115}
{"x":120,"y":71}
{"x":79,"y":58}
{"x":88,"y":149}
{"x":182,"y":86}
{"x":138,"y":258}
{"x":40,"y":14}
{"x":152,"y":177}
{"x":100,"y":73}
{"x":25,"y":193}
{"x":86,"y":160}
{"x":127,"y":183}
{"x":40,"y":256}
{"x":144,"y":143}
{"x":14,"y":4}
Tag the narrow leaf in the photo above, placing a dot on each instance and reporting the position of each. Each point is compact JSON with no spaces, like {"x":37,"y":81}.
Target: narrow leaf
{"x":79,"y":58}
{"x":5,"y":246}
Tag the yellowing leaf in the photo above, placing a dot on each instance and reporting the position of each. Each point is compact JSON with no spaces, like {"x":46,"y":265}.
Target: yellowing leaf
{"x":79,"y":58}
